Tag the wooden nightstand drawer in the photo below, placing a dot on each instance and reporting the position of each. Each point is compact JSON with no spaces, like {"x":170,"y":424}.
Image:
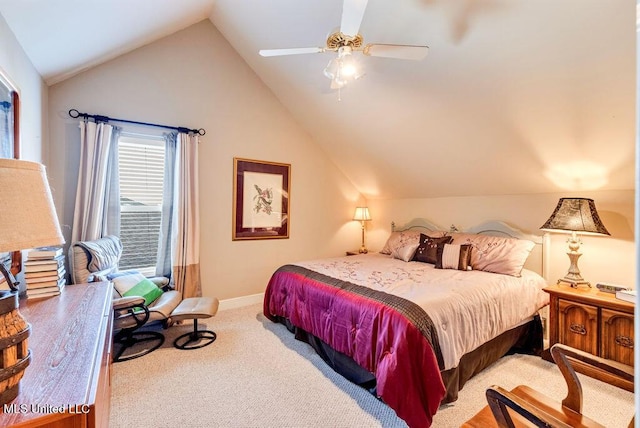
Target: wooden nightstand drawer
{"x":578,"y":325}
{"x":617,"y":336}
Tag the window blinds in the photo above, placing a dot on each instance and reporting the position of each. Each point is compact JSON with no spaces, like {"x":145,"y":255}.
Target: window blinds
{"x":141,"y":169}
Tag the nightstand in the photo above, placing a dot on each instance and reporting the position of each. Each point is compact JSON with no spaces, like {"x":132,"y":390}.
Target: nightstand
{"x":593,"y":321}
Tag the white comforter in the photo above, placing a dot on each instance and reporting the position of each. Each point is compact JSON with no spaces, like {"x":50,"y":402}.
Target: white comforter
{"x":468,"y":308}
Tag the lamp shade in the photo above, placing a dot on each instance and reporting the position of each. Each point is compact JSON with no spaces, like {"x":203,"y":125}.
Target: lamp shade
{"x":27,"y":215}
{"x":362,"y":214}
{"x":576,"y":215}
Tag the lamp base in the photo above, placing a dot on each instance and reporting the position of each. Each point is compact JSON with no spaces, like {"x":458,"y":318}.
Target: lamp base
{"x":574,"y":283}
{"x":363,"y":250}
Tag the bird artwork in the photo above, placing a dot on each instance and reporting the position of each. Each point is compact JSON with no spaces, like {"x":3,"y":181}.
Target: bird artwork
{"x":263,"y":200}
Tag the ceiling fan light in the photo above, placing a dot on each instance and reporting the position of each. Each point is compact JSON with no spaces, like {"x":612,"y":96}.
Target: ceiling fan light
{"x":332,"y":70}
{"x":348,"y":67}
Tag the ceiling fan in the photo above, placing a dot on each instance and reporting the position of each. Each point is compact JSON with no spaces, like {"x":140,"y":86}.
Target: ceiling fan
{"x":345,"y":41}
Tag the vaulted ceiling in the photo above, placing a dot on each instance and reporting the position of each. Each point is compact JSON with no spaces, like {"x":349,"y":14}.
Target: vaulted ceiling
{"x":515,"y":96}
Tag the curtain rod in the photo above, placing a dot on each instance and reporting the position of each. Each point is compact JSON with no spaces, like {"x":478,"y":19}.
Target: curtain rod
{"x":75,"y":114}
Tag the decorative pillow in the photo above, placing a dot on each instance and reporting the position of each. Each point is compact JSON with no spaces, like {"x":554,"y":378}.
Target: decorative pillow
{"x":137,"y":285}
{"x":496,"y":253}
{"x":427,"y":248}
{"x":400,"y":239}
{"x":405,"y":253}
{"x":452,"y":256}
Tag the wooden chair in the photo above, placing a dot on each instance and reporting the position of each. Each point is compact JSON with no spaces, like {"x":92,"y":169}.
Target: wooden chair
{"x":526,"y":407}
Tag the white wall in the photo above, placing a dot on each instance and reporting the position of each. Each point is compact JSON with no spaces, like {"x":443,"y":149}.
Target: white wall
{"x":195,"y":79}
{"x":17,"y":67}
{"x":605,"y":259}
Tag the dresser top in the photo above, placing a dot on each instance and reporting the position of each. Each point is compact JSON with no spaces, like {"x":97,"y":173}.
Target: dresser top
{"x":66,"y":342}
{"x":591,"y":296}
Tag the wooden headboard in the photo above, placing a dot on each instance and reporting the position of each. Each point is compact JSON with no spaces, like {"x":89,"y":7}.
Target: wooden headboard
{"x":536,"y":261}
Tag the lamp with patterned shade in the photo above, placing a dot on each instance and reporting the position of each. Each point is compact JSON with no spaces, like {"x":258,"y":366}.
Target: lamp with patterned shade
{"x":362,"y":215}
{"x":575,"y":215}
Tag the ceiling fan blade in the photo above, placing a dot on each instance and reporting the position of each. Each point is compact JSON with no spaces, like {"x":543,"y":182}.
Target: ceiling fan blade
{"x":397,"y":51}
{"x":352,"y":13}
{"x":290,"y":51}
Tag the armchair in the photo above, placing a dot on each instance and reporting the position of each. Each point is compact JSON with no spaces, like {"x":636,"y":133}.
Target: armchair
{"x":138,"y":301}
{"x":524,"y":406}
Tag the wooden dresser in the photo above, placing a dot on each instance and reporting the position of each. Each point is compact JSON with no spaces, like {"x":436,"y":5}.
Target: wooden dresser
{"x":68,"y":381}
{"x":593,"y":321}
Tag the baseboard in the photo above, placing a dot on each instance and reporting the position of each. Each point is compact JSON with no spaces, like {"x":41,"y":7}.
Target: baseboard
{"x":238,"y":302}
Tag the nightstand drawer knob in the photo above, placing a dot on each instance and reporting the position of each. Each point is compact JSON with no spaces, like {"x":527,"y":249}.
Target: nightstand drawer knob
{"x":578,"y":329}
{"x":624,"y":341}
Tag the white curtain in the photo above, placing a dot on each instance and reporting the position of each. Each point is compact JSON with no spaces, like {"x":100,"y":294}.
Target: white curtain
{"x":179,"y":248}
{"x":97,"y":207}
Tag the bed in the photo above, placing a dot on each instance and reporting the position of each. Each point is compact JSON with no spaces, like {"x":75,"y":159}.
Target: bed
{"x":413,"y":323}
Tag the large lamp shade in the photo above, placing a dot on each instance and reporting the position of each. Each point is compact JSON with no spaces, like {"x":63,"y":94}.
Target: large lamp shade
{"x":575,"y":215}
{"x":27,"y":214}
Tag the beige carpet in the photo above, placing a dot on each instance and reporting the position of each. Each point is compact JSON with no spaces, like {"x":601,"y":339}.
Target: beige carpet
{"x":257,"y":375}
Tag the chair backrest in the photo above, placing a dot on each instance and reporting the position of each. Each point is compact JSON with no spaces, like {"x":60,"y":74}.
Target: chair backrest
{"x":542,"y":412}
{"x":93,"y":260}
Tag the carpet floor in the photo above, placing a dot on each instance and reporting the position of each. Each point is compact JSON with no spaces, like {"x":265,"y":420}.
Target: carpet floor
{"x":257,"y":375}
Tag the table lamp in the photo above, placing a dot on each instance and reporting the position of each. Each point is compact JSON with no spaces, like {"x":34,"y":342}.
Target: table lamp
{"x":362,"y":215}
{"x":27,"y":220}
{"x":575,"y":215}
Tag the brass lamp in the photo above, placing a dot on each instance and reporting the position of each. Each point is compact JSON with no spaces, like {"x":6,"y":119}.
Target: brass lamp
{"x":362,"y":215}
{"x":27,"y":220}
{"x":573,"y":215}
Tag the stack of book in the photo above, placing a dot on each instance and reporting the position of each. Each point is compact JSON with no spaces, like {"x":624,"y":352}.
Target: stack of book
{"x":44,"y":272}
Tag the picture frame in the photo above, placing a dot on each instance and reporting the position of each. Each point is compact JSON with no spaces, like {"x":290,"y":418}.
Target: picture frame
{"x":9,"y":119}
{"x":261,"y":199}
{"x":10,"y":145}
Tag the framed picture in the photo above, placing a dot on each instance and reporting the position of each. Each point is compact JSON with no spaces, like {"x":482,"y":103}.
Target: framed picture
{"x":261,"y":194}
{"x":10,"y":145}
{"x":9,"y":119}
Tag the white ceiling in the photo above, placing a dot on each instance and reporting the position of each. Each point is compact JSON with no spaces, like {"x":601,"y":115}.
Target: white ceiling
{"x":515,"y":96}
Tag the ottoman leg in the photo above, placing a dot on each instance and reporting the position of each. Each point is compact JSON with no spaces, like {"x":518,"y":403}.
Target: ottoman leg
{"x":195,"y":339}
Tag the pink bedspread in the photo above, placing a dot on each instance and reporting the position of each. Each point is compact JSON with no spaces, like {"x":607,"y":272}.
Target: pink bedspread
{"x":373,"y":328}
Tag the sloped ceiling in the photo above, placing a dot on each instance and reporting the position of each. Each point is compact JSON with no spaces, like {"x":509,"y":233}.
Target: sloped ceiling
{"x":515,"y":96}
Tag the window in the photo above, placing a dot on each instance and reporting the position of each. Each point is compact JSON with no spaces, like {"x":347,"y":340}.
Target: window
{"x":141,"y":169}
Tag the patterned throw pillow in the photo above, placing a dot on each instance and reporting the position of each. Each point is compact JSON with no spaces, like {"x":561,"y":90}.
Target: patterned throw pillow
{"x":427,"y":248}
{"x":495,"y":253}
{"x":451,"y":256}
{"x":400,"y":239}
{"x":405,"y":253}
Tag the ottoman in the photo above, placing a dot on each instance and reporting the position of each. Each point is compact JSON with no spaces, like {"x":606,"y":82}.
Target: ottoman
{"x":195,"y":308}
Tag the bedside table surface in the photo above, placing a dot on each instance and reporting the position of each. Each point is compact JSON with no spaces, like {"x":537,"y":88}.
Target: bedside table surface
{"x":590,"y":295}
